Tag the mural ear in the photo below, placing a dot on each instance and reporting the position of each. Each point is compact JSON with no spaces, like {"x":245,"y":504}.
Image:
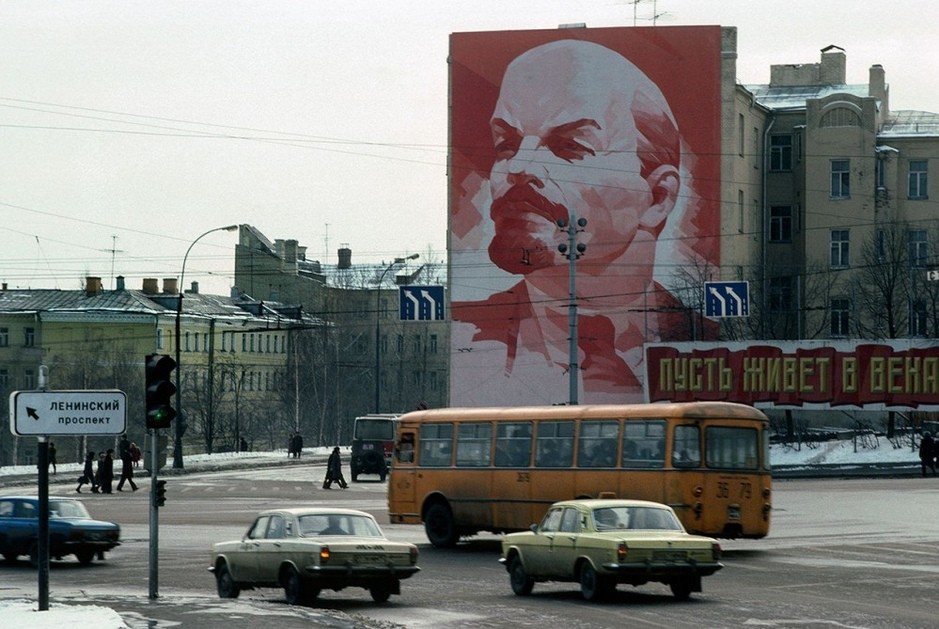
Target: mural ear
{"x":664,"y":183}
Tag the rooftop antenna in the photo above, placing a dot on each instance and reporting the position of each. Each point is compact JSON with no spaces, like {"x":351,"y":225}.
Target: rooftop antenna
{"x":113,"y":250}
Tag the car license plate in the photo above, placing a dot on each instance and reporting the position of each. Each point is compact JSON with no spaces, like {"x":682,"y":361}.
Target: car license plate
{"x":370,"y":560}
{"x":669,"y":555}
{"x":368,"y":446}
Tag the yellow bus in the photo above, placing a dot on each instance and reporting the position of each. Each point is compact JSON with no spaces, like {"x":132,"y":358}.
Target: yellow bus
{"x":464,"y":470}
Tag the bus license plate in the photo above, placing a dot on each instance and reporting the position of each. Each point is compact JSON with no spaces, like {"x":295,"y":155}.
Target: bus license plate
{"x":733,"y":512}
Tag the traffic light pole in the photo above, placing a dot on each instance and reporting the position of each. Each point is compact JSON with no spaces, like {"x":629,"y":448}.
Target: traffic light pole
{"x":154,"y":516}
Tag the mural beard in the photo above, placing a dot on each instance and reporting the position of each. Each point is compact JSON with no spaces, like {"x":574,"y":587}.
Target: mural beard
{"x":526,"y":231}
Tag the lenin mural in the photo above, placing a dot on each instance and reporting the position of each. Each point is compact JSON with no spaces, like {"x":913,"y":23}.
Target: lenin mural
{"x":619,"y":127}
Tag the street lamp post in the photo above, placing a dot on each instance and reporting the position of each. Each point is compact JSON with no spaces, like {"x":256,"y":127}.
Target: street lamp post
{"x":178,"y":427}
{"x":396,"y":262}
{"x":572,"y":250}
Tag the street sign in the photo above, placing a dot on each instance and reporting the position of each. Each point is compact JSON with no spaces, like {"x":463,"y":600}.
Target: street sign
{"x":68,"y":413}
{"x":421,"y":303}
{"x":932,"y":275}
{"x":726,"y":299}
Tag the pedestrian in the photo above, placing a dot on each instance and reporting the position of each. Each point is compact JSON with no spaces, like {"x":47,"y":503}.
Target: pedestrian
{"x":88,"y":474}
{"x":927,"y":452}
{"x":123,"y":446}
{"x":334,"y":470}
{"x":297,"y":445}
{"x":290,"y":442}
{"x":127,"y":470}
{"x":135,"y":453}
{"x":106,"y":471}
{"x":52,"y":456}
{"x":244,"y":445}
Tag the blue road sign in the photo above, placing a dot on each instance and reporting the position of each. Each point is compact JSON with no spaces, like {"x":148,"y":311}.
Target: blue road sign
{"x":726,"y":299}
{"x":421,"y":303}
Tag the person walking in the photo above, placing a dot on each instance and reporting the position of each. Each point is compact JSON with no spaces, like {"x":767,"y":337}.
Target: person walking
{"x":123,"y":446}
{"x":106,"y":472}
{"x":334,"y":471}
{"x":52,"y":462}
{"x":88,"y":474}
{"x":297,"y":445}
{"x":927,"y":450}
{"x":127,"y":471}
{"x":135,"y":453}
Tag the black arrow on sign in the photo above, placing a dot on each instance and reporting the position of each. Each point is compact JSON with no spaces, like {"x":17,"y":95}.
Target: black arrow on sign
{"x":31,"y":412}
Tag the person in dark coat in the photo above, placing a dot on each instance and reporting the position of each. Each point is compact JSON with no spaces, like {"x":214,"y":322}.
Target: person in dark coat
{"x":88,"y":475}
{"x":927,"y":453}
{"x":297,"y":445}
{"x":334,"y":470}
{"x":52,"y":462}
{"x":106,"y":472}
{"x":123,"y":446}
{"x":127,"y":470}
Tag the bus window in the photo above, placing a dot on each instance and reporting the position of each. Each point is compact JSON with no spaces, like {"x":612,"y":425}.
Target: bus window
{"x":644,"y":443}
{"x":405,"y":448}
{"x":553,"y":444}
{"x":597,"y":444}
{"x":473,"y":445}
{"x":513,"y":444}
{"x":686,"y":449}
{"x":436,"y":444}
{"x":731,"y":448}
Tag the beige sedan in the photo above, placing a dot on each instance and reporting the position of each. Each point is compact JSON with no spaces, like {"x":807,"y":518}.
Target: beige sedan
{"x":600,"y":543}
{"x":305,"y":551}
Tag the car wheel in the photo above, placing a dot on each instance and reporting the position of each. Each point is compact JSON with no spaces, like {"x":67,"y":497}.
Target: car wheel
{"x":225,"y":583}
{"x":522,"y":584}
{"x":681,"y":589}
{"x":11,"y":557}
{"x":380,"y":593}
{"x":439,"y":527}
{"x":295,"y":591}
{"x":593,"y":587}
{"x":85,"y":556}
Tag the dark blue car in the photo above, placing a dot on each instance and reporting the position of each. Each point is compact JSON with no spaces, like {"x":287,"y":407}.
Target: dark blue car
{"x":72,"y":531}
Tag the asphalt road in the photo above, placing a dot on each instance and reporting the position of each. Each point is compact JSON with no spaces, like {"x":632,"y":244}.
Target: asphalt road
{"x":842,"y":552}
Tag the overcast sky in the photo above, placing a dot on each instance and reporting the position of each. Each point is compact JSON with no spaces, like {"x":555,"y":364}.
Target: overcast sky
{"x":130,"y":127}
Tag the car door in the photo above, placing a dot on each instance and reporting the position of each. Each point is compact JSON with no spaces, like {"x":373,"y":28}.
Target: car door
{"x":243,"y":562}
{"x":564,"y":548}
{"x":537,"y":551}
{"x":270,"y":550}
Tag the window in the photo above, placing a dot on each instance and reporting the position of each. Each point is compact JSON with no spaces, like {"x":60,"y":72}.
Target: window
{"x":740,"y":134}
{"x":513,"y":444}
{"x":553,"y":446}
{"x":732,"y":448}
{"x":159,"y":338}
{"x":780,"y":223}
{"x":29,"y":379}
{"x":416,"y":344}
{"x":29,"y":338}
{"x":399,"y":344}
{"x":432,"y":380}
{"x":4,"y":379}
{"x":383,"y":344}
{"x":4,"y":337}
{"x":918,"y":318}
{"x":473,"y":443}
{"x":839,"y":317}
{"x":780,"y":294}
{"x":919,"y":250}
{"x":918,"y":179}
{"x":597,"y":444}
{"x":840,"y":178}
{"x":436,"y":444}
{"x":687,"y":448}
{"x":432,"y":344}
{"x":840,"y":117}
{"x":644,"y":443}
{"x":195,"y":341}
{"x":382,"y":308}
{"x":780,"y":152}
{"x":839,"y":248}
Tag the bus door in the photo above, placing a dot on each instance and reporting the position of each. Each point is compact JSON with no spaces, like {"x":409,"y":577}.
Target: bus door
{"x":685,"y":483}
{"x":511,"y":477}
{"x":402,"y":488}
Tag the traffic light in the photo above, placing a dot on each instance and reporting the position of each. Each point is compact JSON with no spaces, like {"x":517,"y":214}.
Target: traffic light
{"x":160,"y":390}
{"x":160,"y":493}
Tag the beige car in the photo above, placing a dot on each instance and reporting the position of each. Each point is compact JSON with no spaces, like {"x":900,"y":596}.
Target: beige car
{"x":600,"y":543}
{"x":305,"y":551}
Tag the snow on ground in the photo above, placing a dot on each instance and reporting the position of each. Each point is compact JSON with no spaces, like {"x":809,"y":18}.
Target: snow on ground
{"x":21,"y":613}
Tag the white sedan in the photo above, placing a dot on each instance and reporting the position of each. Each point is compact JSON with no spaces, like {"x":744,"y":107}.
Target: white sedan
{"x":307,"y":550}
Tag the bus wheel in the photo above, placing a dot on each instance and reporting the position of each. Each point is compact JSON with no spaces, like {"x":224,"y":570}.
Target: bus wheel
{"x":439,"y":527}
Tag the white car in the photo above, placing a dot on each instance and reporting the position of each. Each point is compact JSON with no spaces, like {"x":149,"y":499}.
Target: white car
{"x":307,"y":550}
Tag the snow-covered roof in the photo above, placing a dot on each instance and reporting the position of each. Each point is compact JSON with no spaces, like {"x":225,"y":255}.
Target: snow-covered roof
{"x":793,"y":97}
{"x":910,"y":123}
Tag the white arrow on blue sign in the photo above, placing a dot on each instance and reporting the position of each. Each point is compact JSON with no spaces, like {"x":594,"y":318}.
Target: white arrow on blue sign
{"x":726,"y":299}
{"x":421,"y":303}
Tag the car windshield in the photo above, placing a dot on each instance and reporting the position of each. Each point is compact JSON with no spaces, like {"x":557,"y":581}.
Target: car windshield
{"x":67,"y":509}
{"x":622,"y":518}
{"x":319,"y":524}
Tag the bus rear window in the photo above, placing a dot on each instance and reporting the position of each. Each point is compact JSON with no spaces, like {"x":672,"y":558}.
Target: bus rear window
{"x":732,"y":448}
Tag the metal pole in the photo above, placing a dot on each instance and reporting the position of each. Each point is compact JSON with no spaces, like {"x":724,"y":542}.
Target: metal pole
{"x":179,"y":424}
{"x":381,"y":279}
{"x":574,"y":367}
{"x":154,"y":517}
{"x":43,"y":542}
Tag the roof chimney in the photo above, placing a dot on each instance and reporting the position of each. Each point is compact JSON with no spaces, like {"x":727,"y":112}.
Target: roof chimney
{"x":169,"y":285}
{"x":92,"y":286}
{"x":150,"y":285}
{"x":120,"y":283}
